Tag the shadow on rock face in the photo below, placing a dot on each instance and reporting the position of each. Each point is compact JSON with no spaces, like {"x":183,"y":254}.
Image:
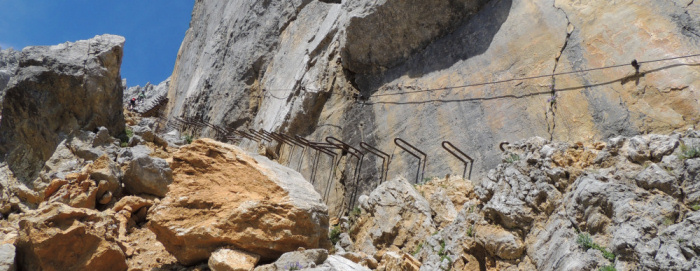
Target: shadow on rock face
{"x":472,"y":38}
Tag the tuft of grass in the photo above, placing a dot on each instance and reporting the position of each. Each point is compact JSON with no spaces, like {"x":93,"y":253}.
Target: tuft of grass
{"x":124,"y":144}
{"x":689,"y":152}
{"x":695,"y":207}
{"x":608,"y":268}
{"x":586,"y":241}
{"x":334,"y":235}
{"x":513,"y":158}
{"x":129,"y":132}
{"x":443,"y":255}
{"x":418,"y":248}
{"x":188,"y":138}
{"x":470,"y":231}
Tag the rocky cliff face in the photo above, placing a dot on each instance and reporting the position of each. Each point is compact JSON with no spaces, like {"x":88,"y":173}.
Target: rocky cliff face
{"x":56,"y":92}
{"x":373,"y":71}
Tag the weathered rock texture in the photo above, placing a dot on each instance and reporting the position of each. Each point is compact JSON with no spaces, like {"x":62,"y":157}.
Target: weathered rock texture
{"x":9,"y":59}
{"x":293,"y":67}
{"x":56,"y":91}
{"x":223,"y":197}
{"x":59,"y":237}
{"x":533,"y":210}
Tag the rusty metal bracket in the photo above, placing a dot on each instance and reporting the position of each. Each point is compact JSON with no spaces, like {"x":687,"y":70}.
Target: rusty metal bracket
{"x":385,"y":159}
{"x":500,"y":146}
{"x":358,"y":165}
{"x":452,"y":149}
{"x":324,"y":148}
{"x":259,"y":134}
{"x":294,"y":143}
{"x":249,"y":136}
{"x":399,"y":142}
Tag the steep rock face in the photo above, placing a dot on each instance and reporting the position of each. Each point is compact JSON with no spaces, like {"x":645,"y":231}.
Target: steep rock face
{"x":58,"y":90}
{"x":294,"y":67}
{"x":221,"y":197}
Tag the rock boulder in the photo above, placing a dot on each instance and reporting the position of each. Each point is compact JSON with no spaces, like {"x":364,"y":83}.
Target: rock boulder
{"x":147,"y":175}
{"x":59,"y":237}
{"x":56,"y":91}
{"x":222,"y":196}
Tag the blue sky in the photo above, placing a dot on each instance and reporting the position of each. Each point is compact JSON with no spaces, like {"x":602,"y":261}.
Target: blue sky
{"x":153,"y":29}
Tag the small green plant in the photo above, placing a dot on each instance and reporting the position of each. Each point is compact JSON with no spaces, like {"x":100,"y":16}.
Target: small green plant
{"x":355,"y":213}
{"x":695,"y":207}
{"x":125,"y":137}
{"x":443,"y":255}
{"x":608,"y":268}
{"x":607,"y":254}
{"x":470,"y":231}
{"x":188,"y":138}
{"x":586,"y":241}
{"x":334,"y":235}
{"x":689,"y":152}
{"x":668,"y":221}
{"x":681,"y":240}
{"x":418,"y":248}
{"x":513,"y":158}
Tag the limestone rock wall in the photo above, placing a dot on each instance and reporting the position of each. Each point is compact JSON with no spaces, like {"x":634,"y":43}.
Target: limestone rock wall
{"x":358,"y":70}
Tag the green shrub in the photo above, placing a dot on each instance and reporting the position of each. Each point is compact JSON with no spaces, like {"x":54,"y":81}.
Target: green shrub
{"x":608,"y":268}
{"x":513,"y":158}
{"x":695,"y":207}
{"x":125,"y":137}
{"x":334,"y":235}
{"x":188,"y":138}
{"x":689,"y":152}
{"x":586,"y":241}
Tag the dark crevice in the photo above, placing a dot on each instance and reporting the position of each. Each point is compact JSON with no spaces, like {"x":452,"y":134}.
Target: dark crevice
{"x":552,"y":108}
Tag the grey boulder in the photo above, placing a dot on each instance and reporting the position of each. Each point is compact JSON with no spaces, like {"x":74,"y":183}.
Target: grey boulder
{"x":148,"y":175}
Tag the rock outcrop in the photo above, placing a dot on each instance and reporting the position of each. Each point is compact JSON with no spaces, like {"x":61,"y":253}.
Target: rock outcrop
{"x":222,"y":197}
{"x":57,"y":91}
{"x":399,"y":216}
{"x":550,"y":206}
